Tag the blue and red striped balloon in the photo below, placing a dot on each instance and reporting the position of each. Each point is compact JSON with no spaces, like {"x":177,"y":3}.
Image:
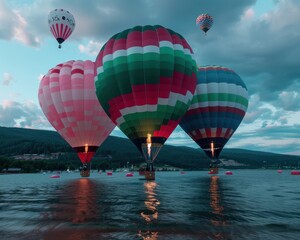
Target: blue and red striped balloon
{"x":219,"y":105}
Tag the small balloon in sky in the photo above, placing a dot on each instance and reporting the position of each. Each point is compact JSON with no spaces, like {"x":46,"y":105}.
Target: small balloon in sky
{"x":204,"y":22}
{"x":61,"y":23}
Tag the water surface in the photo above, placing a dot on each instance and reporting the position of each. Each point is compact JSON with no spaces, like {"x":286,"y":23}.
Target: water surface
{"x":250,"y":204}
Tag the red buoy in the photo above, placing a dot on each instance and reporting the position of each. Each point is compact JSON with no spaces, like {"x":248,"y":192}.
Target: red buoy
{"x":295,"y":172}
{"x":55,"y":176}
{"x":129,"y":174}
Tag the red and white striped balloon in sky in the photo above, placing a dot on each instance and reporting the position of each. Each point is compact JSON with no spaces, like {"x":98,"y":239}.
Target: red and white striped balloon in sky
{"x":68,"y":99}
{"x":61,"y":23}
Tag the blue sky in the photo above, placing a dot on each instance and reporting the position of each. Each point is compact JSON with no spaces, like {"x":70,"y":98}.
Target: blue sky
{"x":259,"y":40}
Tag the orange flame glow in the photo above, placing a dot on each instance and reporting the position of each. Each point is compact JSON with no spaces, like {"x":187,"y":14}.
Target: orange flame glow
{"x":148,"y":140}
{"x":212,"y":149}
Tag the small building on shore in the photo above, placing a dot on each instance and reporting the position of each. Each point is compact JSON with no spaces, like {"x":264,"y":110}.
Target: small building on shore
{"x":11,"y":170}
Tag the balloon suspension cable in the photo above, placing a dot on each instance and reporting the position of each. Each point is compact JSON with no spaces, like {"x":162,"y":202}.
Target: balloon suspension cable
{"x":84,"y":166}
{"x":149,"y":167}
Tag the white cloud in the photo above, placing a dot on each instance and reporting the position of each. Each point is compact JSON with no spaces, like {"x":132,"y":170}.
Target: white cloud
{"x":118,"y":133}
{"x":40,"y":77}
{"x":7,"y":79}
{"x":279,"y":20}
{"x":92,"y":48}
{"x":14,"y":26}
{"x":290,"y":100}
{"x":248,"y":14}
{"x":179,"y":137}
{"x":27,"y":115}
{"x":21,"y":34}
{"x":7,"y":22}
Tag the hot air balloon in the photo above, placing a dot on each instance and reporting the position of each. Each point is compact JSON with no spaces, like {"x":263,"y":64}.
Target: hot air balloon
{"x":68,"y":99}
{"x":145,"y":84}
{"x":61,"y":23}
{"x":219,"y":104}
{"x":204,"y":22}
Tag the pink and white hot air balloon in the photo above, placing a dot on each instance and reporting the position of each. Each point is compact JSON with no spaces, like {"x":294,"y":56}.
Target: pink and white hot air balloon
{"x":68,"y":99}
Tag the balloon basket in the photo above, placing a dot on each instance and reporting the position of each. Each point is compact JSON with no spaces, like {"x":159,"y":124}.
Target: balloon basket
{"x":85,"y":173}
{"x":213,"y":170}
{"x":150,"y":175}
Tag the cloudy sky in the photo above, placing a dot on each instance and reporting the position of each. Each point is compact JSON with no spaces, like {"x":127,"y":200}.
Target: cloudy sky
{"x":258,"y":39}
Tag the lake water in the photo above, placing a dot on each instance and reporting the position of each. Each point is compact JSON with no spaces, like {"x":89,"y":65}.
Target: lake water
{"x":250,"y":204}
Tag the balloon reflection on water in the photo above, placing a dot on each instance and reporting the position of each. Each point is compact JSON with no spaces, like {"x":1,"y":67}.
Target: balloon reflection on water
{"x":84,"y":209}
{"x":215,"y":202}
{"x":73,"y":211}
{"x":151,"y":214}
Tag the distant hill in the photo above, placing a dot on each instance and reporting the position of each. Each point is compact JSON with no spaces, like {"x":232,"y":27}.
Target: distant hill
{"x":117,"y":150}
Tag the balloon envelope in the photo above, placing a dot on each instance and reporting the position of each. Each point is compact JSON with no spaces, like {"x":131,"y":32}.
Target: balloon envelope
{"x":204,"y":22}
{"x":145,"y":83}
{"x":61,"y":23}
{"x":68,"y":99}
{"x":218,"y":107}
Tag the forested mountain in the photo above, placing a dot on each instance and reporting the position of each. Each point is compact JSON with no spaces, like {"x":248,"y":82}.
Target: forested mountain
{"x":116,"y":152}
